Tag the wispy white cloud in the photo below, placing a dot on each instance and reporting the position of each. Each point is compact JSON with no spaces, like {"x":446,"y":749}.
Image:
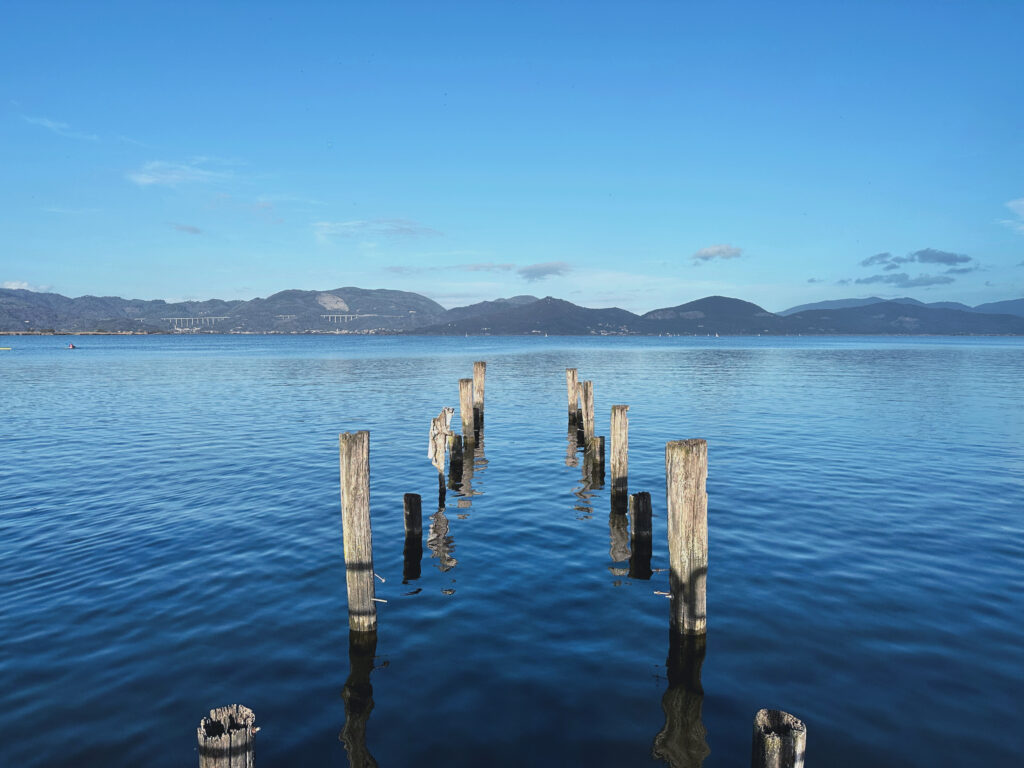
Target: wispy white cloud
{"x":1017,"y":208}
{"x":162,"y":173}
{"x":325,"y":230}
{"x":903,"y":280}
{"x":59,"y":128}
{"x":188,"y":229}
{"x":23,"y":285}
{"x":721,"y":251}
{"x":534,"y":272}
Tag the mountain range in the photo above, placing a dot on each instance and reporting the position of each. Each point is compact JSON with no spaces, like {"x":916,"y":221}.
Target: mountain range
{"x":359,"y":310}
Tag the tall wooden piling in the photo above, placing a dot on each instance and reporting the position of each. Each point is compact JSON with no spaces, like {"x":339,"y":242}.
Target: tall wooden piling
{"x":571,"y":388}
{"x":588,"y":411}
{"x":466,"y":409}
{"x":640,"y":537}
{"x":780,"y":740}
{"x":226,"y":737}
{"x":620,"y":457}
{"x":355,"y":518}
{"x":479,"y":375}
{"x":686,"y":472}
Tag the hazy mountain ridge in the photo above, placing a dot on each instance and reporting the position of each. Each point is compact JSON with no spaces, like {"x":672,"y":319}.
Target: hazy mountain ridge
{"x":1012,"y":307}
{"x":360,"y":310}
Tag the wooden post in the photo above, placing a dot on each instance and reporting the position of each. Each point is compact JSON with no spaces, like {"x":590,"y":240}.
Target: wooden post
{"x":571,"y":382}
{"x":357,"y":694}
{"x":683,"y":739}
{"x":593,"y":461}
{"x":620,"y":457}
{"x":355,"y":520}
{"x":466,"y":409}
{"x":618,"y":532}
{"x":640,"y":539}
{"x":780,"y":740}
{"x":412,"y":506}
{"x":580,"y":435}
{"x":479,"y":374}
{"x":686,"y":472}
{"x":455,"y":459}
{"x":226,"y":736}
{"x":588,"y":410}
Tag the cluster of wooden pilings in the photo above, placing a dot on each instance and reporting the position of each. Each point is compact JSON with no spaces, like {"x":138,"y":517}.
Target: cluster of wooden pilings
{"x":779,"y":738}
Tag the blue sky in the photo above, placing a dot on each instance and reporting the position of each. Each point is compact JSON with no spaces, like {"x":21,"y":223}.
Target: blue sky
{"x":634,"y":154}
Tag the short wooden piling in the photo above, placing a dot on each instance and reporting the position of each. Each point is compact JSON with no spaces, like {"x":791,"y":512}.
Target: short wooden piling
{"x":588,"y":410}
{"x":412,"y":506}
{"x":593,"y":460}
{"x":466,"y":409}
{"x":620,"y":457}
{"x":571,"y":382}
{"x":455,"y":459}
{"x":355,"y":517}
{"x":686,"y":471}
{"x":226,"y":737}
{"x":640,"y":537}
{"x":780,"y":740}
{"x":479,"y":375}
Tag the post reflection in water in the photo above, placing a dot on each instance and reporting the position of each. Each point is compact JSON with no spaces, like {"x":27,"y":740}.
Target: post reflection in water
{"x":682,"y":742}
{"x":358,"y":696}
{"x":440,"y":543}
{"x":618,"y":528}
{"x":412,"y":556}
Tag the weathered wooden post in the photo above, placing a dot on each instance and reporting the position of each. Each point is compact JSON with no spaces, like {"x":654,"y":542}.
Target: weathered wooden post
{"x":358,"y":697}
{"x":640,"y":538}
{"x":620,"y":457}
{"x":593,"y":461}
{"x":355,"y":520}
{"x":686,"y":472}
{"x":780,"y":740}
{"x":412,"y":512}
{"x":455,"y":456}
{"x":580,"y":434}
{"x":466,"y":409}
{"x":571,"y":389}
{"x":479,"y":374}
{"x":226,"y":736}
{"x":683,"y":739}
{"x":440,"y":431}
{"x":588,"y":411}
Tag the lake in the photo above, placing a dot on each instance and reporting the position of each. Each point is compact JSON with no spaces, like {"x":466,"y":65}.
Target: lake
{"x":170,"y":541}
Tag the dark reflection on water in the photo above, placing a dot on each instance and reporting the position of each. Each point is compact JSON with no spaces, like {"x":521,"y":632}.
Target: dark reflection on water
{"x":358,"y":697}
{"x":682,"y":742}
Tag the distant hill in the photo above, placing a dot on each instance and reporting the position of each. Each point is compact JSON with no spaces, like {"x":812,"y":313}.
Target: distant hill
{"x":893,"y":317}
{"x":547,"y":315}
{"x":848,"y":303}
{"x":715,"y":314}
{"x":1011,"y":307}
{"x":360,"y":310}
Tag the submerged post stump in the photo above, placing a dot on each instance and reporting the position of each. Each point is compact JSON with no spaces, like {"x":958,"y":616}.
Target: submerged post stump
{"x":620,"y":457}
{"x":686,"y":472}
{"x":571,"y":388}
{"x":780,"y":740}
{"x":355,"y":520}
{"x":640,"y":538}
{"x":226,"y":736}
{"x":479,"y":374}
{"x":466,"y":409}
{"x":588,"y":411}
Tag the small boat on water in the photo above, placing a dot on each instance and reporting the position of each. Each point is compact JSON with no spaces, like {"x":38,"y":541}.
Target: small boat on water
{"x":71,"y":346}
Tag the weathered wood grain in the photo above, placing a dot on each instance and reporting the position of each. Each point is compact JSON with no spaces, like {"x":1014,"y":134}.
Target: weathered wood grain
{"x":226,"y":737}
{"x":588,"y":410}
{"x":466,"y":410}
{"x":780,"y":740}
{"x":572,"y":391}
{"x":355,"y":518}
{"x":479,"y":377}
{"x":686,"y":471}
{"x":620,"y":457}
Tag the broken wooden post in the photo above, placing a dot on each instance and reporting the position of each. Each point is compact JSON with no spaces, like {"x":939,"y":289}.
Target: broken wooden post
{"x":780,"y":740}
{"x":588,"y":411}
{"x":466,"y":409}
{"x":620,"y":457}
{"x":440,"y":431}
{"x":683,"y":739}
{"x":571,"y":387}
{"x":226,"y":736}
{"x":357,"y":694}
{"x":355,"y":520}
{"x":479,"y":374}
{"x":640,"y":538}
{"x":686,"y":472}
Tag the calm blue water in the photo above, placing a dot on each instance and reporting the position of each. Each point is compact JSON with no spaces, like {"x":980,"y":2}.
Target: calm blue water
{"x":170,"y":541}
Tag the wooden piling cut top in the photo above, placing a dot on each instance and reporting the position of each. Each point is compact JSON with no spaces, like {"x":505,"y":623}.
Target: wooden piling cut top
{"x":226,"y":737}
{"x":780,"y":740}
{"x":686,"y":471}
{"x":479,"y":375}
{"x":357,"y":534}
